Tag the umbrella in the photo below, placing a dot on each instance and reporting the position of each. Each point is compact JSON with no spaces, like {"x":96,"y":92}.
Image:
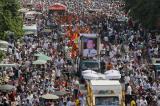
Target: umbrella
{"x":49,"y":96}
{"x":60,"y":93}
{"x":39,"y":62}
{"x":57,"y":7}
{"x":88,"y":71}
{"x":30,"y":12}
{"x":4,"y":42}
{"x":90,"y":76}
{"x":38,"y":13}
{"x":29,"y":33}
{"x":42,"y":56}
{"x":23,"y":10}
{"x":33,"y":13}
{"x":9,"y":65}
{"x":39,"y":54}
{"x":6,"y":88}
{"x":47,"y":30}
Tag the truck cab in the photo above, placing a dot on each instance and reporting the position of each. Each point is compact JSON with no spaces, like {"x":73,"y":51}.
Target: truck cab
{"x":88,"y":64}
{"x":104,"y":93}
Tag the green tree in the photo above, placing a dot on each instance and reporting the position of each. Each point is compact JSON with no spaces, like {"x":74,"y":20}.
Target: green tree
{"x":2,"y":55}
{"x":144,"y":11}
{"x":9,"y":18}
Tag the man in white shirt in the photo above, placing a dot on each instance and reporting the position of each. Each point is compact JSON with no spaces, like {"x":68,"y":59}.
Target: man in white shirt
{"x":90,"y":51}
{"x":143,"y":102}
{"x":68,"y":102}
{"x":129,"y":90}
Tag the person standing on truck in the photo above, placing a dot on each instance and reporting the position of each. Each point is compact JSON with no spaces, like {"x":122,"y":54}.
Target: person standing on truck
{"x":90,"y":51}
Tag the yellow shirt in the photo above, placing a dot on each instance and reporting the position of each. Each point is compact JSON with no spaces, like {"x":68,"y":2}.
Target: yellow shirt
{"x":133,"y":103}
{"x":77,"y":102}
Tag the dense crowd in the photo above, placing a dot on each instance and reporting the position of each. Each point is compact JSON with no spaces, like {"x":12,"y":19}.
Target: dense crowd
{"x":128,"y":48}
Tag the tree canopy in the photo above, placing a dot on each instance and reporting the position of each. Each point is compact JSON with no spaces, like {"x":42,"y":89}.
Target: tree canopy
{"x":9,"y":18}
{"x":144,"y":11}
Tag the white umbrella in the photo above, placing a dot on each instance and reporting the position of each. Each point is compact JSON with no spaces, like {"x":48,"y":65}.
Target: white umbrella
{"x":90,"y":76}
{"x":23,"y":10}
{"x":6,"y":88}
{"x":3,"y":45}
{"x":30,"y":12}
{"x":33,"y":13}
{"x":40,"y":62}
{"x":112,"y":71}
{"x":88,"y":71}
{"x":50,"y":96}
{"x":4,"y":42}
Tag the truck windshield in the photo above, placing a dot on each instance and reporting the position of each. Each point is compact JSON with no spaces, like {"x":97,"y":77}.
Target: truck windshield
{"x":89,"y":65}
{"x":107,"y":101}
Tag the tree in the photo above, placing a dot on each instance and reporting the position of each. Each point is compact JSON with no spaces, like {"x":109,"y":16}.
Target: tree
{"x":145,"y":12}
{"x":2,"y":55}
{"x":9,"y":18}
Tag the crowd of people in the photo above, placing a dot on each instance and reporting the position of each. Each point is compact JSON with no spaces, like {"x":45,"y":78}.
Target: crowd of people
{"x":32,"y":81}
{"x":128,"y":48}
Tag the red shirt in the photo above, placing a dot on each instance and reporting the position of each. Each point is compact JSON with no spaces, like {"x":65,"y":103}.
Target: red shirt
{"x":12,"y":96}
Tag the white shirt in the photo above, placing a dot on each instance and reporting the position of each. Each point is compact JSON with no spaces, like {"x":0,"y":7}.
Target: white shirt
{"x":17,"y":56}
{"x":138,"y":102}
{"x":89,"y":52}
{"x":69,"y":103}
{"x":143,"y":102}
{"x":58,"y":73}
{"x":158,"y":102}
{"x":127,"y":79}
{"x":129,"y":90}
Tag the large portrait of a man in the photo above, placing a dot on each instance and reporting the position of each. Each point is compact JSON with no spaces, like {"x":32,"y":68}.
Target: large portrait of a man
{"x":90,"y":46}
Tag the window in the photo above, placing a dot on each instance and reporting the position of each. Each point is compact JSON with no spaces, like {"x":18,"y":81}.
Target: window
{"x":90,"y":65}
{"x":107,"y":101}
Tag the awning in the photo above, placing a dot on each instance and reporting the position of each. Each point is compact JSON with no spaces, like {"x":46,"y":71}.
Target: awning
{"x":33,"y":13}
{"x":9,"y":65}
{"x":23,"y":10}
{"x":50,"y":97}
{"x":57,"y":7}
{"x":30,"y":28}
{"x":6,"y":88}
{"x":39,"y":62}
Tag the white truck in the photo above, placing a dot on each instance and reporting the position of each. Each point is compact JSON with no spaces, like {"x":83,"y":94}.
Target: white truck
{"x":104,"y":93}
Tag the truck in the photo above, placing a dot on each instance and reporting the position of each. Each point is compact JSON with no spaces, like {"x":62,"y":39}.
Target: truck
{"x":89,"y":53}
{"x":104,"y":93}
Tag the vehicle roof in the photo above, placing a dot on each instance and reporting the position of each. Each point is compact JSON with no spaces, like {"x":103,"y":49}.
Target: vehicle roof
{"x":156,"y":64}
{"x":104,"y":82}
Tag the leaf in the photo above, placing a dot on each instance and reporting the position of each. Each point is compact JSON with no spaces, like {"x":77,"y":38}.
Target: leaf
{"x":9,"y":18}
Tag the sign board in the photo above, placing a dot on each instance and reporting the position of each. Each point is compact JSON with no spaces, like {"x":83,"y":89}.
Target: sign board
{"x":89,"y":44}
